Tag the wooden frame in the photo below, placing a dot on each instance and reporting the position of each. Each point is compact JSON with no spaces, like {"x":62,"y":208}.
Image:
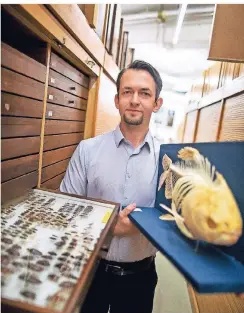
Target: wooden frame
{"x":37,"y":18}
{"x":130,"y":56}
{"x":119,"y":54}
{"x":90,"y":11}
{"x":110,"y":26}
{"x":79,"y":291}
{"x":124,"y":49}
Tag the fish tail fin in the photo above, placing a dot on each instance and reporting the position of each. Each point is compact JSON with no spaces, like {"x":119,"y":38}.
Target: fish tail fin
{"x":162,"y":179}
{"x":166,"y":177}
{"x":166,"y":162}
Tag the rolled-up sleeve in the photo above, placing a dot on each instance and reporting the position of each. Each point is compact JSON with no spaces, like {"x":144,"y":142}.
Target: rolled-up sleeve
{"x":75,"y":179}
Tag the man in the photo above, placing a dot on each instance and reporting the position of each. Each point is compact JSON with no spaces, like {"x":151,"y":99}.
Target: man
{"x":122,"y":166}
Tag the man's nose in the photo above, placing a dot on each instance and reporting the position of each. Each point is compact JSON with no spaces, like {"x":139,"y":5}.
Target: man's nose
{"x":135,"y":100}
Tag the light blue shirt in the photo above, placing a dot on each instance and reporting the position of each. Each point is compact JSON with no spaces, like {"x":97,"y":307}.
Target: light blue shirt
{"x":108,"y":167}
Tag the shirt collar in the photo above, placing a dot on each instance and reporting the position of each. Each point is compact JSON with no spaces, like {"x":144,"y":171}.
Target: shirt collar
{"x":118,"y":137}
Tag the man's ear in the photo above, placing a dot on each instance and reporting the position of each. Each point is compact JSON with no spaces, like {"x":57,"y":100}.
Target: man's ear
{"x":157,"y":105}
{"x":116,"y":101}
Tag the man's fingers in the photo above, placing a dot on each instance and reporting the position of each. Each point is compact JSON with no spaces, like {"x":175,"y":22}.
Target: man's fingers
{"x":240,"y":295}
{"x":128,"y":209}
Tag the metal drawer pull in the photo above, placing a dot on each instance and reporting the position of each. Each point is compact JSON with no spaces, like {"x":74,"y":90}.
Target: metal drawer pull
{"x":7,"y":106}
{"x":50,"y":97}
{"x":50,"y":113}
{"x":71,"y":101}
{"x":52,"y":80}
{"x":90,"y":63}
{"x":73,"y":88}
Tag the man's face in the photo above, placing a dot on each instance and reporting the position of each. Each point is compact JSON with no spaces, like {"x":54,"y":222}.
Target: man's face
{"x":136,"y":99}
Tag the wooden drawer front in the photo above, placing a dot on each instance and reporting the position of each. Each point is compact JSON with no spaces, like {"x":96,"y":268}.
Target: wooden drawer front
{"x":64,"y":113}
{"x":232,"y":127}
{"x":20,"y":106}
{"x":54,"y":170}
{"x":54,"y":183}
{"x":18,"y":186}
{"x":16,"y":147}
{"x":19,"y":62}
{"x":208,"y":124}
{"x":50,"y":157}
{"x":63,"y":98}
{"x":191,"y":120}
{"x":59,"y":81}
{"x":20,"y":127}
{"x":16,"y":83}
{"x":17,"y":167}
{"x":53,"y":127}
{"x":58,"y":141}
{"x":67,"y":70}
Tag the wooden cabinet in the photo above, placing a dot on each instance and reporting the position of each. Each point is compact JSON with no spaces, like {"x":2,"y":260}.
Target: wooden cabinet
{"x":227,"y":41}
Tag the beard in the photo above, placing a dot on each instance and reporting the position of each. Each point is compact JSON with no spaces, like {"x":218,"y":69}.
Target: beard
{"x":133,"y":120}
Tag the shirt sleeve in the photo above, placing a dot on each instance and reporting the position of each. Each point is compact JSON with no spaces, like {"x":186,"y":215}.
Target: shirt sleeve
{"x":75,"y":179}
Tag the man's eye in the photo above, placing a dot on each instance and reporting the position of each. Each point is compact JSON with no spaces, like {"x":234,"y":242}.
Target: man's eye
{"x":127,"y":92}
{"x":145,"y":94}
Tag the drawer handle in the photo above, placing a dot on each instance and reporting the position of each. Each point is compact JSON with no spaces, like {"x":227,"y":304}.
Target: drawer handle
{"x":52,"y":80}
{"x":71,"y":101}
{"x":7,"y":106}
{"x":90,"y":63}
{"x":73,"y":88}
{"x":50,"y":97}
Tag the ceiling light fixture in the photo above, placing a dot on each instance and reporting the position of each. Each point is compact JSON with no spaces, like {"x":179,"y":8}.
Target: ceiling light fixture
{"x":179,"y":23}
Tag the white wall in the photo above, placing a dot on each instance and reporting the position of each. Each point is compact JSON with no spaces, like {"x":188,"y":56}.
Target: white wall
{"x":158,"y":126}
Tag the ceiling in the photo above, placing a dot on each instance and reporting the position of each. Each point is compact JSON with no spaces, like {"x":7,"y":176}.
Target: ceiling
{"x":151,"y":30}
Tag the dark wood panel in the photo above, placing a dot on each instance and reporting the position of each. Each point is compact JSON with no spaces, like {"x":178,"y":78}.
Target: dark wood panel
{"x":17,"y":167}
{"x":16,"y":147}
{"x":20,"y":106}
{"x":53,"y":127}
{"x":58,"y":112}
{"x":232,"y":127}
{"x":208,"y":124}
{"x":59,"y":81}
{"x":16,"y":187}
{"x":67,"y":70}
{"x":16,"y":83}
{"x":20,"y":127}
{"x":54,"y":170}
{"x":63,"y":98}
{"x":54,"y":183}
{"x":19,"y":62}
{"x":57,"y":141}
{"x":50,"y":157}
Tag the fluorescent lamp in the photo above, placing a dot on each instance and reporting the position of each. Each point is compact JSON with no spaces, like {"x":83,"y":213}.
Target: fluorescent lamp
{"x":179,"y":23}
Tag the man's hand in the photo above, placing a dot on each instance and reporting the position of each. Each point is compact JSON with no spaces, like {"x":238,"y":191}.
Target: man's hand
{"x":124,"y":226}
{"x":240,"y":295}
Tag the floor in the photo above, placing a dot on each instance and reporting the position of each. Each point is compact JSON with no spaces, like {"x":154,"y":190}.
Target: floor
{"x":171,"y":292}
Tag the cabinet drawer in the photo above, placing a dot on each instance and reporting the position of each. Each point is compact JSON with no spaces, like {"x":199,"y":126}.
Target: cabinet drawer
{"x":21,"y":85}
{"x":20,"y":127}
{"x":60,"y":97}
{"x":59,"y":112}
{"x":61,"y":66}
{"x":20,"y":106}
{"x":19,"y":62}
{"x":59,"y":81}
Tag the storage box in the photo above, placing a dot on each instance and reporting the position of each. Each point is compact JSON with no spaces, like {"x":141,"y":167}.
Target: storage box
{"x":51,"y":246}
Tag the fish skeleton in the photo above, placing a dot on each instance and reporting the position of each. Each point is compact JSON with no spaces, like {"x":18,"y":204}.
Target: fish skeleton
{"x":203,"y":206}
